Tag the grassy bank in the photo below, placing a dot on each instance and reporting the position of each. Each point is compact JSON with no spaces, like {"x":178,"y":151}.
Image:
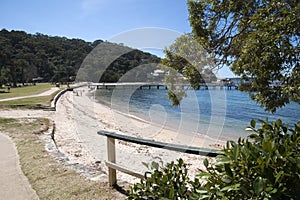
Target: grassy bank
{"x":26,"y":90}
{"x":31,"y":102}
{"x":48,"y":177}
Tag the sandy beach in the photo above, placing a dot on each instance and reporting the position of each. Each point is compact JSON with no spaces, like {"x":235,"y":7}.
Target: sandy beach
{"x":77,"y":136}
{"x":77,"y":120}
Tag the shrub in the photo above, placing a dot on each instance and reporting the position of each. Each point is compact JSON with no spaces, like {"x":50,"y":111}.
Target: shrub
{"x":266,"y":165}
{"x":164,"y":182}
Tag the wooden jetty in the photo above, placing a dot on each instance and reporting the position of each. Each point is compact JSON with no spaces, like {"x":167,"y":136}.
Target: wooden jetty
{"x":158,"y":86}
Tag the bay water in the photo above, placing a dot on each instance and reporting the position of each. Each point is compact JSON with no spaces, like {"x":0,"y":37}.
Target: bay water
{"x":217,"y":113}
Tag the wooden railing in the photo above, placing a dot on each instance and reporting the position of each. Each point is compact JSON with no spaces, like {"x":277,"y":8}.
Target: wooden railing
{"x":111,"y":152}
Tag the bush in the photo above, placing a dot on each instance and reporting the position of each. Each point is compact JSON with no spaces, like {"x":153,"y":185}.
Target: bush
{"x":266,"y":165}
{"x":168,"y":182}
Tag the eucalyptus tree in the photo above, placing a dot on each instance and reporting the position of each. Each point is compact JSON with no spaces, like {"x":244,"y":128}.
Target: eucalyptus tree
{"x":186,"y":61}
{"x":257,"y":39}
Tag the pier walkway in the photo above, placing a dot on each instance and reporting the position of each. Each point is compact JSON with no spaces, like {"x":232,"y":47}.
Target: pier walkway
{"x":153,"y":85}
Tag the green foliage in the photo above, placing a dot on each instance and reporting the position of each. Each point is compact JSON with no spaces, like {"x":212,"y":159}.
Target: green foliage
{"x":24,"y":56}
{"x":168,"y":182}
{"x":264,"y":166}
{"x":127,"y":62}
{"x":187,"y":62}
{"x":57,"y":59}
{"x":257,"y":39}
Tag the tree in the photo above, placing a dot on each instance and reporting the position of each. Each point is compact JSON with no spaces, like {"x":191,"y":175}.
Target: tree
{"x":186,"y":60}
{"x":24,"y":56}
{"x":257,"y":39}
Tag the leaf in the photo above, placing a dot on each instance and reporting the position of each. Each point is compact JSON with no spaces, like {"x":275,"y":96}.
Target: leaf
{"x":226,"y":180}
{"x":171,"y":193}
{"x":235,"y":151}
{"x":223,"y":160}
{"x":267,"y":146}
{"x":284,"y":129}
{"x":253,"y":136}
{"x":228,"y":170}
{"x":274,"y":191}
{"x":278,"y":176}
{"x":205,"y":197}
{"x":253,"y":123}
{"x":231,"y":187}
{"x":180,"y":162}
{"x":263,"y":122}
{"x":278,"y":123}
{"x":219,"y":193}
{"x":245,"y":190}
{"x":205,"y":162}
{"x":146,"y":165}
{"x":249,"y":129}
{"x":258,"y":185}
{"x":154,"y":165}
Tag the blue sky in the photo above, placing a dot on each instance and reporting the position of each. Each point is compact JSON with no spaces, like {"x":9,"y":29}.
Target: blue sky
{"x":99,"y":19}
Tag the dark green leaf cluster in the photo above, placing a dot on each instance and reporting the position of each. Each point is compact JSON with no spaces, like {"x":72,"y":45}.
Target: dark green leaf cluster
{"x":264,"y":166}
{"x":258,"y":39}
{"x":168,"y":182}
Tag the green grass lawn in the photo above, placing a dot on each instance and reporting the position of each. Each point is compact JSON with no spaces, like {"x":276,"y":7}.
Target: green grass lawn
{"x":43,"y":102}
{"x":48,"y":177}
{"x":29,"y":103}
{"x":26,"y":90}
{"x":32,"y":102}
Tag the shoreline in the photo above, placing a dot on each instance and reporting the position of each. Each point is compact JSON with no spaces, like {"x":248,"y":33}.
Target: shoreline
{"x":214,"y":143}
{"x":88,"y":117}
{"x":77,"y":120}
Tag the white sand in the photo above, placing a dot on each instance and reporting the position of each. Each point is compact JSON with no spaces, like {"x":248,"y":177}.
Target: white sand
{"x":78,"y":119}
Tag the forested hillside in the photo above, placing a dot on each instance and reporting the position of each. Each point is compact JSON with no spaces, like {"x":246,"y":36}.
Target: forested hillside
{"x":57,"y":59}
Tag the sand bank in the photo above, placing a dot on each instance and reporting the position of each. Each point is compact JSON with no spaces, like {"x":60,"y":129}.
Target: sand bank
{"x":77,"y":120}
{"x":79,"y":117}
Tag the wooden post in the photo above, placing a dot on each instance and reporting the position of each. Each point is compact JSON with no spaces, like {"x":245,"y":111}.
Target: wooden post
{"x":111,"y":156}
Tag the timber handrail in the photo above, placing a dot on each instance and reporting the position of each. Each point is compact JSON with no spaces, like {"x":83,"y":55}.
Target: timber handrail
{"x":111,"y":163}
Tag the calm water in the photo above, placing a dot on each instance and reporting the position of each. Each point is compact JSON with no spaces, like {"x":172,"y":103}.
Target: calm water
{"x":220,"y":114}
